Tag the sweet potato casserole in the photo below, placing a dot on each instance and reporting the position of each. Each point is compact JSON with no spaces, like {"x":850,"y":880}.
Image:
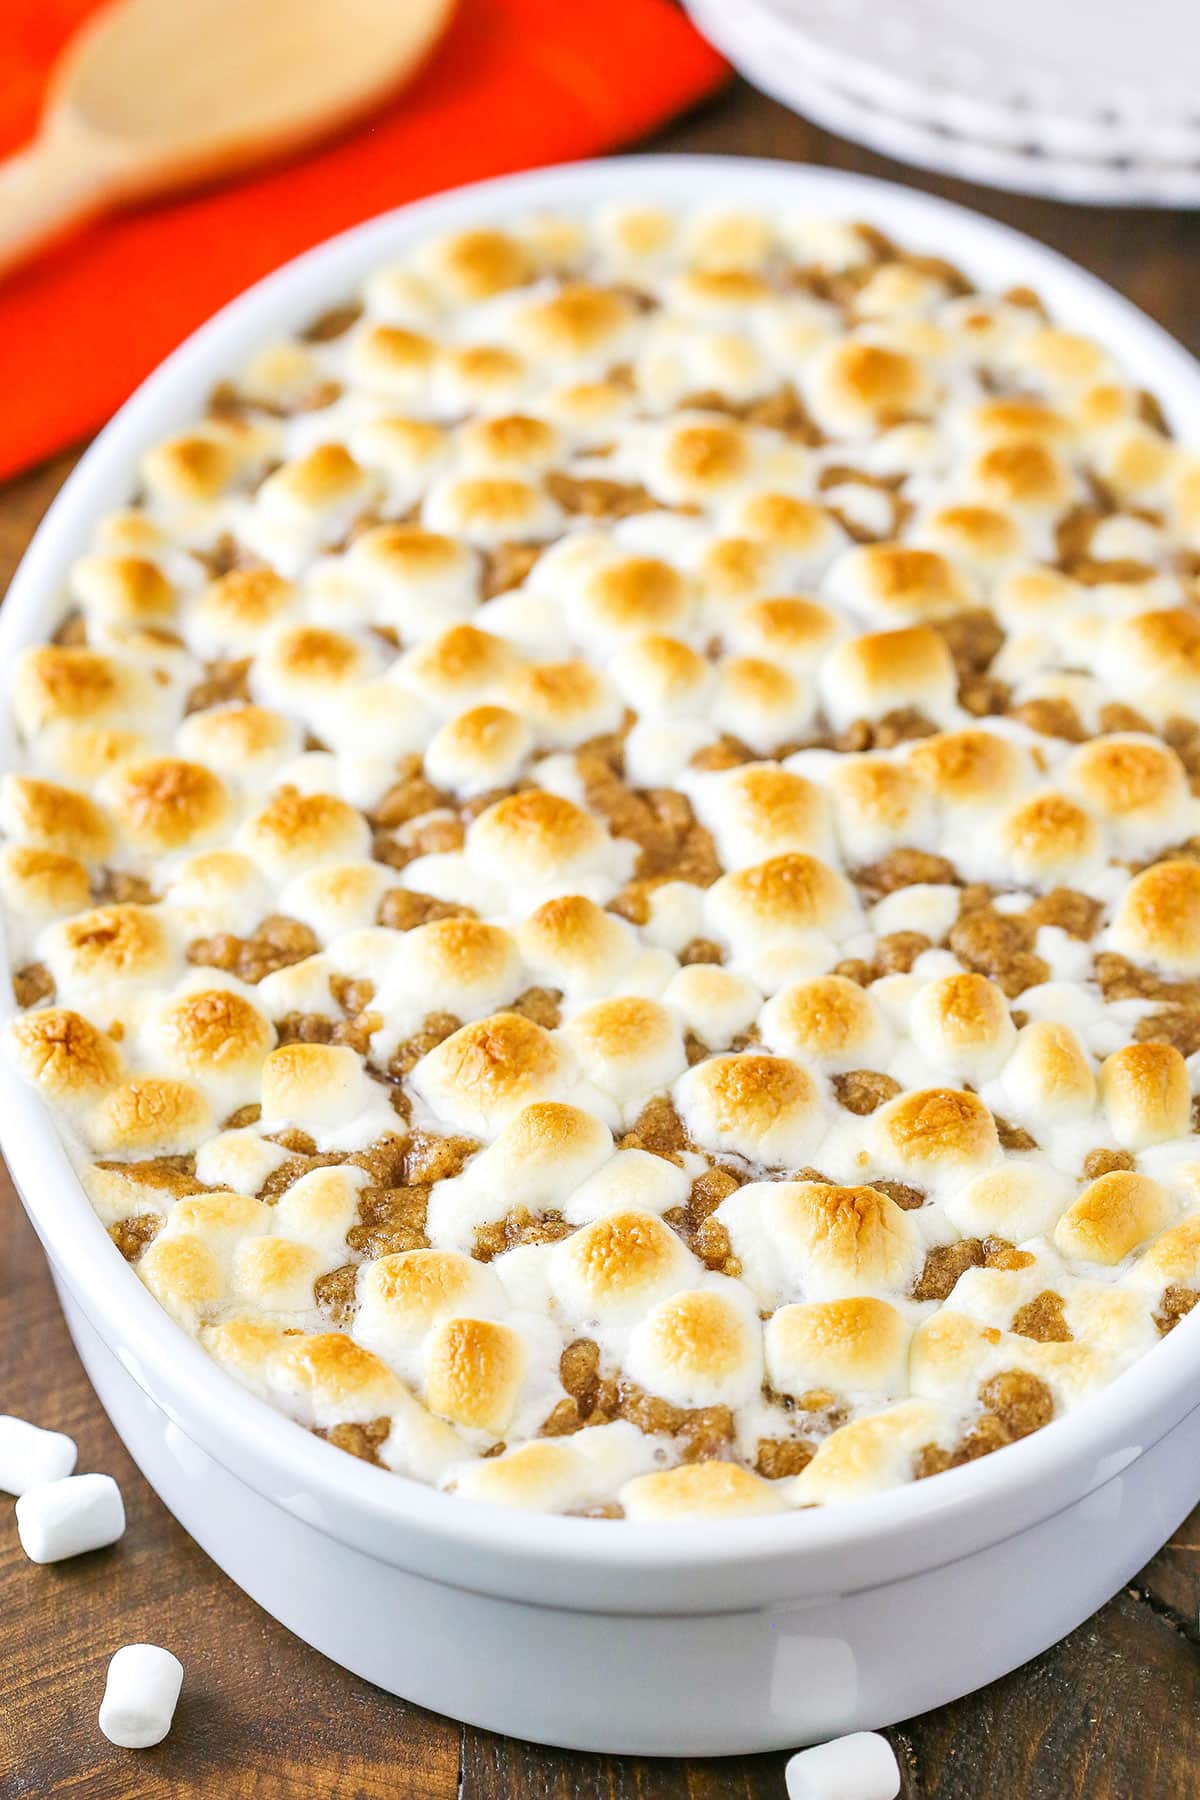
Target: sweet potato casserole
{"x":605,"y":877}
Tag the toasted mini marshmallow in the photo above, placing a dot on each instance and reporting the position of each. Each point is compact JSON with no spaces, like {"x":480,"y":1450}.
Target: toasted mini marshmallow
{"x":40,"y":885}
{"x":1049,"y":838}
{"x":405,"y":451}
{"x":789,"y":630}
{"x":705,"y":1490}
{"x":68,"y":1060}
{"x":857,"y":1345}
{"x":326,"y":1379}
{"x":698,"y":459}
{"x":282,"y":374}
{"x":461,"y":667}
{"x":878,"y":804}
{"x":122,"y":590}
{"x":870,"y":1453}
{"x":1136,"y":785}
{"x":960,"y":1024}
{"x":194,"y":466}
{"x":1024,"y":476}
{"x":544,"y":1153}
{"x":465,"y":266}
{"x":614,"y":1270}
{"x":971,"y":769}
{"x":808,"y":534}
{"x":482,"y":748}
{"x":934,"y":1135}
{"x":165,"y":804}
{"x":305,"y":504}
{"x":1146,"y":1095}
{"x":632,"y":235}
{"x":296,"y":831}
{"x":629,"y":1048}
{"x":218,"y":890}
{"x":885,"y":671}
{"x":630,"y":1181}
{"x":765,"y":1108}
{"x":1112,"y":1216}
{"x":1016,"y":1201}
{"x":216,"y":1038}
{"x":1172,"y":1260}
{"x":184,"y":1276}
{"x":562,"y":703}
{"x":392,"y":361}
{"x":702,"y":1347}
{"x":713,"y":1002}
{"x":112,"y":950}
{"x":231,"y":615}
{"x":983,"y":541}
{"x":336,"y":897}
{"x":55,"y":818}
{"x":275,"y":1275}
{"x":319,"y":1087}
{"x":580,"y":326}
{"x":1158,"y":917}
{"x":624,"y":598}
{"x":680,"y":358}
{"x":761,"y":810}
{"x":510,"y":443}
{"x":486,"y":510}
{"x":538,"y":840}
{"x":1035,"y":598}
{"x":1048,"y":1076}
{"x":897,"y":584}
{"x":149,"y":1115}
{"x":301,"y":666}
{"x":572,"y":943}
{"x":854,"y":388}
{"x":402,"y":1297}
{"x":779,"y":898}
{"x":473,"y":376}
{"x":557,"y":1474}
{"x":320,"y":1208}
{"x":58,"y":683}
{"x":1154,"y":658}
{"x":588,"y":410}
{"x":821,"y":1242}
{"x":83,"y":755}
{"x":830,"y":1021}
{"x":421,"y":580}
{"x":242,"y":743}
{"x":1063,"y":360}
{"x":482,"y":1075}
{"x":461,"y":966}
{"x":662,"y":678}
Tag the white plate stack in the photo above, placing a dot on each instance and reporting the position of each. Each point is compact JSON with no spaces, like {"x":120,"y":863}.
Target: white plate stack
{"x":1087,"y":100}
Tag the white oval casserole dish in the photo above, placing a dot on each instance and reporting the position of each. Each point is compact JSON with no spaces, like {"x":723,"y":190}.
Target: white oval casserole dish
{"x":695,"y":1639}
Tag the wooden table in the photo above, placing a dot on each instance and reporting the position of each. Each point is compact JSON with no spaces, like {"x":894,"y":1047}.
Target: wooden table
{"x":1113,"y":1712}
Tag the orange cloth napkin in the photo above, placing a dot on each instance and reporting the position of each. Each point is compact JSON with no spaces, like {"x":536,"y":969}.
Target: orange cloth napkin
{"x":513,"y":84}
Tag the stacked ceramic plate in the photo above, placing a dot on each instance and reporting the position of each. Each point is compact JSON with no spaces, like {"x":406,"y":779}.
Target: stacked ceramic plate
{"x":1088,"y":100}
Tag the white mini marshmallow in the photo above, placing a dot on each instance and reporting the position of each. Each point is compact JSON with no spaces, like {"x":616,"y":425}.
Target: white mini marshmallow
{"x":140,"y":1695}
{"x":859,"y":1767}
{"x":67,"y":1518}
{"x":29,"y":1456}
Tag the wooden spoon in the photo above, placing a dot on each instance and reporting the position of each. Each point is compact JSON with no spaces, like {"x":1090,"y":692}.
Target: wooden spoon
{"x":154,"y":94}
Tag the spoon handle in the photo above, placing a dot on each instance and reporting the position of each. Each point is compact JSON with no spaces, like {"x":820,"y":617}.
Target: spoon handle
{"x":58,"y":181}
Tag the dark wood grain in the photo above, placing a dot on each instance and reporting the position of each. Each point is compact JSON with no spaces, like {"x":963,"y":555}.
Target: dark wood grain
{"x":1112,"y":1713}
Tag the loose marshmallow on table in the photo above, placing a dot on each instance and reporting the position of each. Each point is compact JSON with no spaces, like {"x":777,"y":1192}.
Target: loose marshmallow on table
{"x":29,"y":1456}
{"x":859,"y":1767}
{"x":140,"y":1695}
{"x":66,"y":1518}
